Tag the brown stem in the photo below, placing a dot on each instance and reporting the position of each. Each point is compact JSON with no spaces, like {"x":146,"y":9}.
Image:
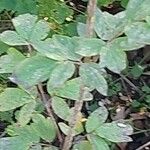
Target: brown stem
{"x":144,"y":146}
{"x":77,"y":108}
{"x":78,"y":104}
{"x":90,"y":17}
{"x":47,"y":103}
{"x":49,"y":111}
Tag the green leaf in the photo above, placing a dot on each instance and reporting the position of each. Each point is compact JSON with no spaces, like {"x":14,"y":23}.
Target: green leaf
{"x":36,"y":147}
{"x":98,"y":143}
{"x":61,"y":108}
{"x":138,"y":9}
{"x":13,"y":143}
{"x":138,"y":32}
{"x":83,"y":145}
{"x":12,"y":38}
{"x":109,"y":26}
{"x":7,"y":116}
{"x":28,"y":31}
{"x":148,"y":20}
{"x":137,"y":71}
{"x":59,"y":48}
{"x":33,"y":70}
{"x":50,"y":148}
{"x":115,"y":132}
{"x":26,"y":113}
{"x":10,"y":61}
{"x":12,"y":98}
{"x":81,"y":29}
{"x":125,"y":44}
{"x":56,"y":11}
{"x":26,"y":133}
{"x":44,"y":127}
{"x":21,"y":6}
{"x":71,"y":90}
{"x":124,"y":3}
{"x":61,"y":73}
{"x":89,"y":46}
{"x":23,"y":138}
{"x":3,"y":47}
{"x":65,"y":129}
{"x":96,"y":119}
{"x":105,"y":3}
{"x":92,"y":77}
{"x":29,"y":28}
{"x":113,"y":58}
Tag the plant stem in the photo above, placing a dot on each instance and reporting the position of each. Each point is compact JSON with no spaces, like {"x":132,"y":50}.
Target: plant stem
{"x":47,"y":103}
{"x":90,"y":18}
{"x":143,"y":146}
{"x":77,"y":109}
{"x":48,"y":109}
{"x":78,"y":104}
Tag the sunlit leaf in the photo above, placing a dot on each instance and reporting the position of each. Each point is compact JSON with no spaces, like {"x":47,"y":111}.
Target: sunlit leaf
{"x":138,"y":32}
{"x":89,"y":46}
{"x":109,"y":26}
{"x":26,"y":113}
{"x":71,"y":90}
{"x":13,"y":98}
{"x":138,"y":9}
{"x":61,"y":108}
{"x":10,"y":61}
{"x":44,"y":127}
{"x":33,"y":70}
{"x":96,"y":119}
{"x":98,"y":143}
{"x":91,"y":71}
{"x":83,"y":145}
{"x":61,"y":73}
{"x":115,"y":132}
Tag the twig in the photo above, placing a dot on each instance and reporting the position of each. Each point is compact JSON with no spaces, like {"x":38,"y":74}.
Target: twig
{"x":46,"y":103}
{"x":127,"y":92}
{"x":77,"y":108}
{"x":130,"y":83}
{"x":48,"y":109}
{"x":143,"y":146}
{"x":78,"y":104}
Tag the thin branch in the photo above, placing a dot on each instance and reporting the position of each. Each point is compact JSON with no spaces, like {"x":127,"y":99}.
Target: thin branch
{"x":130,"y":83}
{"x":47,"y":103}
{"x":144,"y":146}
{"x":78,"y":104}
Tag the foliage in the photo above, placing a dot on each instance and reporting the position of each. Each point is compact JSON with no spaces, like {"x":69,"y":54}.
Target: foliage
{"x":57,"y":62}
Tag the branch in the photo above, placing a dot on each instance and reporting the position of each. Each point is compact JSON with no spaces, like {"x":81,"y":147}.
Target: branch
{"x":78,"y":104}
{"x":48,"y":109}
{"x":47,"y":104}
{"x":144,"y":146}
